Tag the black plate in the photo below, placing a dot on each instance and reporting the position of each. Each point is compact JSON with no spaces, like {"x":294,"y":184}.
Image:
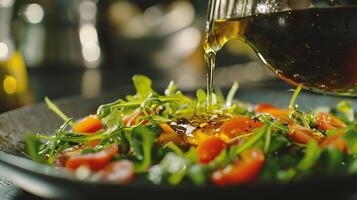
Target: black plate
{"x":48,"y":182}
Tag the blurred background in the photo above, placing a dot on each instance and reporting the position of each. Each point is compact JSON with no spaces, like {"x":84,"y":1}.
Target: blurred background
{"x":59,"y":48}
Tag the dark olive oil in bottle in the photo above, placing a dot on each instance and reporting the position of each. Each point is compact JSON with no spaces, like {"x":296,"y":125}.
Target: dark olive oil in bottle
{"x":314,"y":47}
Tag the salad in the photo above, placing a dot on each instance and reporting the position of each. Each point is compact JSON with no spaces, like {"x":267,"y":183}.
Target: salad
{"x":172,"y":138}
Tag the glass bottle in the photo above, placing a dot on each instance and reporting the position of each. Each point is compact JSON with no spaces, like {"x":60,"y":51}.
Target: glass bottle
{"x":14,"y":90}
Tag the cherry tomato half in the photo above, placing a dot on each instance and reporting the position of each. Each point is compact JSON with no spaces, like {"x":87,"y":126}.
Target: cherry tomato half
{"x":327,"y":121}
{"x":95,"y":161}
{"x":118,"y":172}
{"x":272,"y":110}
{"x":336,"y":141}
{"x":300,"y":134}
{"x":245,"y":170}
{"x":239,"y":125}
{"x":209,"y":149}
{"x":88,"y":125}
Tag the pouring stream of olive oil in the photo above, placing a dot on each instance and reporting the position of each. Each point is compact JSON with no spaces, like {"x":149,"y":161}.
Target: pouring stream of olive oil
{"x":315,"y":47}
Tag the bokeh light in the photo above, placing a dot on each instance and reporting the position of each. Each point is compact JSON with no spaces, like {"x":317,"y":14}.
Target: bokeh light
{"x":4,"y":50}
{"x":34,"y":13}
{"x":10,"y":85}
{"x":6,"y":3}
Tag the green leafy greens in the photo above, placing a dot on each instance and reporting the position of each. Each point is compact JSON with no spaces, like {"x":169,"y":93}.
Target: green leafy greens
{"x":135,"y":125}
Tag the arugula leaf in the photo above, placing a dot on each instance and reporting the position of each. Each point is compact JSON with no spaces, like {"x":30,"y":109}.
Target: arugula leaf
{"x":310,"y":119}
{"x":221,"y":160}
{"x":106,"y":109}
{"x":174,"y":148}
{"x":171,"y":89}
{"x":201,"y":99}
{"x":267,"y":140}
{"x":292,"y":103}
{"x":33,"y":147}
{"x":352,"y":168}
{"x":332,"y":159}
{"x":312,"y":154}
{"x":299,"y":118}
{"x":191,"y":155}
{"x":270,"y":169}
{"x":231,"y":94}
{"x":172,"y":166}
{"x":239,"y":108}
{"x":56,"y":144}
{"x":278,"y":142}
{"x":351,"y":138}
{"x":90,"y":150}
{"x":113,"y":119}
{"x":286,"y":175}
{"x":117,"y":136}
{"x":197,"y":174}
{"x":146,"y":138}
{"x":142,"y":85}
{"x":279,"y":126}
{"x":346,"y":109}
{"x":124,"y":145}
{"x":258,"y":133}
{"x":220,"y":98}
{"x":54,"y":108}
{"x":155,"y":129}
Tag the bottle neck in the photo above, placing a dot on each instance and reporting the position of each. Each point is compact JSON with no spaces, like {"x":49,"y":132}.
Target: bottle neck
{"x":6,"y":7}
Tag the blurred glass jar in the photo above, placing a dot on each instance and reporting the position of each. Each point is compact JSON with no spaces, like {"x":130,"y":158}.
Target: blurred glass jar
{"x":58,"y":33}
{"x":14,"y":90}
{"x":160,"y":38}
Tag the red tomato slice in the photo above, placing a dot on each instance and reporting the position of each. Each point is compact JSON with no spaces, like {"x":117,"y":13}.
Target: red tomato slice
{"x":300,"y":134}
{"x":245,"y":170}
{"x":209,"y":149}
{"x":337,"y":141}
{"x":95,"y":161}
{"x":238,"y":125}
{"x":118,"y":172}
{"x":88,"y":125}
{"x":327,"y":121}
{"x":272,"y":110}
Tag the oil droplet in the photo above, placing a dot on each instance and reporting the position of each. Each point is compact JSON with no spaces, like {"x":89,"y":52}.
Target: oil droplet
{"x":10,"y":85}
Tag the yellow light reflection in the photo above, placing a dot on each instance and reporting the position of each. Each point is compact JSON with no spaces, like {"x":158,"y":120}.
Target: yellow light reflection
{"x":10,"y":85}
